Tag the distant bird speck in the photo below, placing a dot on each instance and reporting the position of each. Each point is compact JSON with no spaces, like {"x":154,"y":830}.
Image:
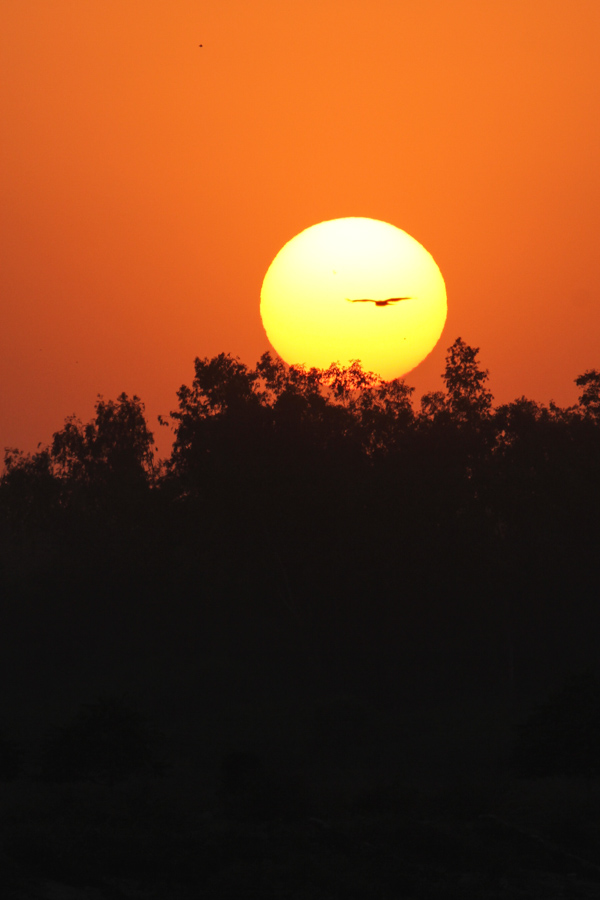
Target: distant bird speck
{"x":378,"y":302}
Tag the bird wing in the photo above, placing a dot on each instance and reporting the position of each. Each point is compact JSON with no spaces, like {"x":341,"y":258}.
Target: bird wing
{"x":370,"y":300}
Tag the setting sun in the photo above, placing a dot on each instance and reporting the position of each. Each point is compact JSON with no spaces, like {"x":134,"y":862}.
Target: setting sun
{"x":354,"y":289}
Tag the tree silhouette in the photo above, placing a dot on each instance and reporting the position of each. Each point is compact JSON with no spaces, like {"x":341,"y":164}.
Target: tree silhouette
{"x":114,"y":447}
{"x":385,"y":415}
{"x":29,"y":490}
{"x":433,"y":407}
{"x":468,"y":399}
{"x":589,"y":399}
{"x":107,"y":461}
{"x":313,"y":513}
{"x":218,"y":422}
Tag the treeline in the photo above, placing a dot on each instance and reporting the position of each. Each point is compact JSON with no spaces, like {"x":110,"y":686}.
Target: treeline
{"x":234,"y":419}
{"x":311,"y":524}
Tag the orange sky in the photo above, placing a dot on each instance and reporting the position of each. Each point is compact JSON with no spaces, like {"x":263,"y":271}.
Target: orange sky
{"x":147,"y":184}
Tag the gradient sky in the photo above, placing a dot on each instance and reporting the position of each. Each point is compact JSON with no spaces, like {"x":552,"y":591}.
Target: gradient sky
{"x":147,"y":183}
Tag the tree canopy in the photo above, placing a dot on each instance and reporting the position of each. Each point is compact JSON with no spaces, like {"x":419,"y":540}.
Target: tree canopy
{"x":320,"y":519}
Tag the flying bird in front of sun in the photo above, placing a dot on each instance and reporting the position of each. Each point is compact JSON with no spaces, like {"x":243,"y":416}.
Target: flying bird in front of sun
{"x":319,"y":295}
{"x":378,"y":302}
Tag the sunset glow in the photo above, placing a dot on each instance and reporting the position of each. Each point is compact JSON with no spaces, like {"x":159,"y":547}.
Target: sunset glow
{"x":148,"y":183}
{"x":305,"y":294}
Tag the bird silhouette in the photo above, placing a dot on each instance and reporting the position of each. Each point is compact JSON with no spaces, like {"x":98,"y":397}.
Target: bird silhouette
{"x":378,"y":302}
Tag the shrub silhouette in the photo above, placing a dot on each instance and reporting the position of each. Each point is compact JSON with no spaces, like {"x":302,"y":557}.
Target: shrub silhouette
{"x":562,"y":736}
{"x":106,"y":741}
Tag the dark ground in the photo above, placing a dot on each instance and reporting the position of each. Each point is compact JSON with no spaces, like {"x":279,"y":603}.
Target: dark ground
{"x":334,"y":799}
{"x":178,"y":839}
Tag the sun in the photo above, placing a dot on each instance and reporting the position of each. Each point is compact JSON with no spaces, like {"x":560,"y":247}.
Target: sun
{"x":350,"y":289}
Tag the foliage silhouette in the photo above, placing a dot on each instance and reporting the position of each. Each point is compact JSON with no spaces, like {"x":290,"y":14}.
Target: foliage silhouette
{"x":466,"y":395}
{"x":108,"y":461}
{"x":589,"y":399}
{"x":313,"y":515}
{"x":28,"y":490}
{"x":112,"y":453}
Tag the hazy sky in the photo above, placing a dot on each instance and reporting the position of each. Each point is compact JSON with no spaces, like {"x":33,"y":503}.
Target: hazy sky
{"x":148,"y":183}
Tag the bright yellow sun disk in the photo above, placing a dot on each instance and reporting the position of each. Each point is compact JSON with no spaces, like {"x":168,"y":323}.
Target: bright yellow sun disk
{"x":305,"y":293}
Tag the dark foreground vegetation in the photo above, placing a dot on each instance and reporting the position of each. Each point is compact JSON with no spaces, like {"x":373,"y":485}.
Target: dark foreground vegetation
{"x":338,"y":644}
